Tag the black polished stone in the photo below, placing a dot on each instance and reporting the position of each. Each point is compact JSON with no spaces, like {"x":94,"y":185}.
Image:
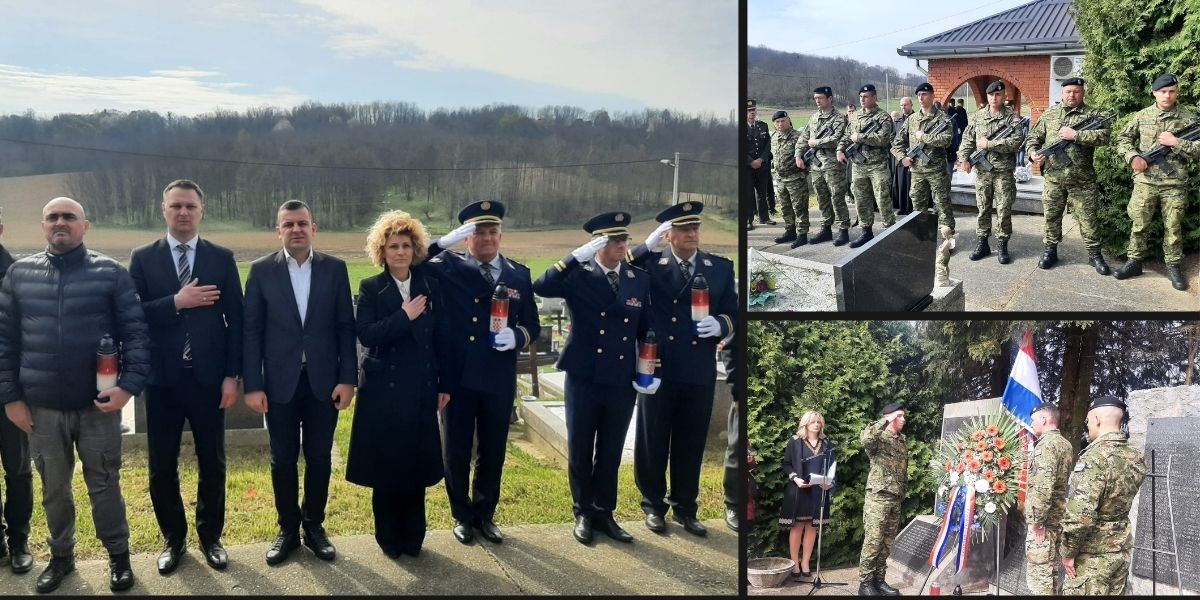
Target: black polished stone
{"x":892,"y":272}
{"x":912,"y":545}
{"x":1170,"y":436}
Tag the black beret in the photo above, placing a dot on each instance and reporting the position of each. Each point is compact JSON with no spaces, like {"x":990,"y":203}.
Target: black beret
{"x":995,"y":86}
{"x":1072,"y":81}
{"x":751,"y":104}
{"x":609,"y":223}
{"x":1043,"y":406}
{"x":1108,"y":401}
{"x":779,"y":114}
{"x":1163,"y":81}
{"x":925,"y":87}
{"x":892,"y":407}
{"x":870,"y":87}
{"x":824,"y":90}
{"x":484,"y":212}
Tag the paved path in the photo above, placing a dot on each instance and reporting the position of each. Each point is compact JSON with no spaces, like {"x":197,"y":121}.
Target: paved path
{"x":534,"y":559}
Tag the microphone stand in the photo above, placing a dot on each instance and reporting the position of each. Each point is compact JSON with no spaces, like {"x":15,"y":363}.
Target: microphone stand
{"x":816,"y":582}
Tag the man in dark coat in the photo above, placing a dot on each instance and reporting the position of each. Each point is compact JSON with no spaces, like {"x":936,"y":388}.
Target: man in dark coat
{"x":16,"y":509}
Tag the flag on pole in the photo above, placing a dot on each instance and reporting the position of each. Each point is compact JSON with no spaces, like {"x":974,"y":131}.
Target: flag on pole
{"x":1021,"y":395}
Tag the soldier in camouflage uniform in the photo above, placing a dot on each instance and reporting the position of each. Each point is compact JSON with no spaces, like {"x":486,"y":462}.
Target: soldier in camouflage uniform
{"x":829,"y":179}
{"x":885,"y":448}
{"x":871,"y":179}
{"x":930,"y":182}
{"x":791,"y":184}
{"x":996,"y":188}
{"x":1096,"y":540}
{"x":1073,"y":183}
{"x":1154,"y":187}
{"x":1046,"y":500}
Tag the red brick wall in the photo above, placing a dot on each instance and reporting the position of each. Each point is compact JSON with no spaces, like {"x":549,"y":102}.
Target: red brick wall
{"x":1030,"y":75}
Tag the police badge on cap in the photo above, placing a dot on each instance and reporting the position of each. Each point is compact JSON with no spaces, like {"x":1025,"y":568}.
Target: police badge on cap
{"x":751,"y":104}
{"x":612,"y":224}
{"x":682,"y":214}
{"x":484,"y":212}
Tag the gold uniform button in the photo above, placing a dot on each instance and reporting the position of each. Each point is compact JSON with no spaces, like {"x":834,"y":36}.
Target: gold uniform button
{"x":599,"y":350}
{"x":472,"y":338}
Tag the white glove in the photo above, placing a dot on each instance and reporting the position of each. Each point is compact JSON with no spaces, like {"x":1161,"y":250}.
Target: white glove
{"x":505,"y":340}
{"x":708,"y":327}
{"x":656,"y":237}
{"x":461,"y":233}
{"x":648,"y":390}
{"x":585,"y":252}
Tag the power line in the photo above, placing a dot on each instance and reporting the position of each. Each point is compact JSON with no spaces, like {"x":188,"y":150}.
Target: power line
{"x":704,"y":162}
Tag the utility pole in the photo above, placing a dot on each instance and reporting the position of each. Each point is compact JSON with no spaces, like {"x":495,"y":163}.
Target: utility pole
{"x":675,"y":185}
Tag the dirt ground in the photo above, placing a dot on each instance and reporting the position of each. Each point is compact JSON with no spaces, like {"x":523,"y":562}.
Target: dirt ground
{"x":22,"y":199}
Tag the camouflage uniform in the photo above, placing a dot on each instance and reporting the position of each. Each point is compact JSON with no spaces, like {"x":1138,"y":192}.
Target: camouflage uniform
{"x":885,"y":490}
{"x":791,"y":184}
{"x":1045,"y":503}
{"x":872,"y":178}
{"x":1074,"y":184}
{"x":1095,"y":528}
{"x":829,"y":180}
{"x":1154,"y":187}
{"x":929,"y":181}
{"x":996,"y":188}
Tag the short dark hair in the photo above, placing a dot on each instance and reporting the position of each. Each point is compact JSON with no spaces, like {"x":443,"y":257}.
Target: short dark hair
{"x":186,"y":184}
{"x":294,"y":205}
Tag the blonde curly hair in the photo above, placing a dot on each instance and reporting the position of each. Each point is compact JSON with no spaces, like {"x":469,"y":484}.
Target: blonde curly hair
{"x":392,"y":223}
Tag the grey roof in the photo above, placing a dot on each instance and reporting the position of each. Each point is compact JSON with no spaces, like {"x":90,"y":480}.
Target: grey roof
{"x":1041,"y":26}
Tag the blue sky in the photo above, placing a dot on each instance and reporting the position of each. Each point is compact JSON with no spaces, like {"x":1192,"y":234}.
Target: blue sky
{"x":192,"y":57}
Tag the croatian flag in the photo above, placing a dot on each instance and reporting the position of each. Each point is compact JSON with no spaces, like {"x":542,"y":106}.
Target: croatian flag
{"x":1022,"y":394}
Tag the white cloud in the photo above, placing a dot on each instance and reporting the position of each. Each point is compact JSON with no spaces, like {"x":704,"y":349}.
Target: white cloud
{"x":181,"y":91}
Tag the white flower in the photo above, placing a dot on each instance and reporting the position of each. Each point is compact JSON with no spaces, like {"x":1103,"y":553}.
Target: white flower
{"x":953,"y":479}
{"x":981,"y":486}
{"x":941,"y":491}
{"x":969,"y":478}
{"x":990,"y":507}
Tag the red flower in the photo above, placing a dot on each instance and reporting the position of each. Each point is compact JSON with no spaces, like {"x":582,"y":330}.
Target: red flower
{"x":999,"y":486}
{"x":978,"y":435}
{"x":987,"y":456}
{"x":949,"y":465}
{"x":1004,"y":463}
{"x":968,"y":455}
{"x":962,"y":445}
{"x":961,"y":466}
{"x":975,"y":466}
{"x":992,"y":430}
{"x":998,"y":443}
{"x":980,"y":446}
{"x":989,"y":474}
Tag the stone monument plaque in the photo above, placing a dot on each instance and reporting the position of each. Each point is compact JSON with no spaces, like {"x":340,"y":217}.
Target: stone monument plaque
{"x":1170,"y":436}
{"x":912,"y":545}
{"x":893,"y":271}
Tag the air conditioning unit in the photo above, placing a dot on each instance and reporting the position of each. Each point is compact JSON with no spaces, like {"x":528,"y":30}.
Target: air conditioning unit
{"x":1063,"y":66}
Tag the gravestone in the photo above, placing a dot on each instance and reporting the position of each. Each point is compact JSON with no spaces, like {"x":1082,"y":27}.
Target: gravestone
{"x":892,"y":272}
{"x":911,"y":549}
{"x":1170,"y":436}
{"x":1012,"y":556}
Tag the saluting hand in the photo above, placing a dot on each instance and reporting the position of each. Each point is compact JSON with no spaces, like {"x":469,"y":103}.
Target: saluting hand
{"x":193,"y":294}
{"x":414,"y":306}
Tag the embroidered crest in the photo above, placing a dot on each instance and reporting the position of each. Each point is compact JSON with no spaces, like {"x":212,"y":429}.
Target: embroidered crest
{"x":436,"y":259}
{"x":619,"y":218}
{"x":486,"y":205}
{"x":687,"y":207}
{"x":634,"y":302}
{"x":629,"y":274}
{"x":589,"y":267}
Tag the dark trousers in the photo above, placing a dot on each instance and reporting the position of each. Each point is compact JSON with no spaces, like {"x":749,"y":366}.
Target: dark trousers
{"x":756,"y":196}
{"x":732,"y":454}
{"x":166,"y":409}
{"x":470,"y":414}
{"x":399,"y":519}
{"x":672,"y":429}
{"x":16,"y":501}
{"x":317,"y":418}
{"x":597,"y":420}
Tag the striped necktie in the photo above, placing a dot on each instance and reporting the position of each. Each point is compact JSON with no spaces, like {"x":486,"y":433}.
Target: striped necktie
{"x":613,"y":281}
{"x":486,"y":269}
{"x":185,"y":275}
{"x":686,"y":266}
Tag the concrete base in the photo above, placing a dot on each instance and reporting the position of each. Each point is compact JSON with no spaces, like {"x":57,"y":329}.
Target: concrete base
{"x":948,"y":299}
{"x":1029,"y":194}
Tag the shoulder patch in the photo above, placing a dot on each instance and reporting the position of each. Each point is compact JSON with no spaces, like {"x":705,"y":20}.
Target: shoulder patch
{"x":664,"y":260}
{"x":629,"y":274}
{"x":436,"y":259}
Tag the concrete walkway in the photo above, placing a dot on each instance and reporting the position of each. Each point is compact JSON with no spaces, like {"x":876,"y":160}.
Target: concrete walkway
{"x":1072,"y":285}
{"x":848,"y":576}
{"x":534,"y":559}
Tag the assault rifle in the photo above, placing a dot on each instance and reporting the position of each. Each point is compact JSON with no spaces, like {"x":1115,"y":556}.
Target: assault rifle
{"x":978,"y":159}
{"x":1058,"y":150}
{"x":918,"y":153}
{"x":855,"y":151}
{"x":1158,"y":154}
{"x":810,"y":157}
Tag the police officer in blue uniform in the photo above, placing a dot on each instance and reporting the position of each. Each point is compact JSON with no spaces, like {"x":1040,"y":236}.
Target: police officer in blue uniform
{"x":609,"y":305}
{"x":673,"y":423}
{"x":484,"y":376}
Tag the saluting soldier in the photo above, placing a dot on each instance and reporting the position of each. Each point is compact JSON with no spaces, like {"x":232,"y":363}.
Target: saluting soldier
{"x":828,"y":180}
{"x":930,"y":182}
{"x":995,"y":189}
{"x":886,"y":483}
{"x":871,"y":179}
{"x":758,"y":158}
{"x":1073,"y":183}
{"x":1045,"y":500}
{"x":484,"y":375}
{"x":1097,"y":541}
{"x":673,"y":423}
{"x":1156,"y":186}
{"x":791,"y":183}
{"x":609,"y":304}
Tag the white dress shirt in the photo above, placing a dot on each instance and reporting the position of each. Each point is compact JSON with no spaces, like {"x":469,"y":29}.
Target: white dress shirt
{"x":405,"y":286}
{"x":301,"y":275}
{"x":191,"y":253}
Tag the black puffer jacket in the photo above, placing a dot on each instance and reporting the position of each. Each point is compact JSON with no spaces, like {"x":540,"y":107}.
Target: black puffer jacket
{"x":53,"y":311}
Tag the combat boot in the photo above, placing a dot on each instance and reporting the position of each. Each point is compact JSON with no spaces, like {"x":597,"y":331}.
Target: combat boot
{"x":1096,"y":259}
{"x":862,"y":239}
{"x":1131,"y":268}
{"x":982,"y":250}
{"x":825,"y":235}
{"x":1176,"y":276}
{"x":867,"y":588}
{"x":843,"y":237}
{"x":1004,"y":257}
{"x":801,"y":239}
{"x":787,"y":236}
{"x":883,"y":587}
{"x":1049,"y":256}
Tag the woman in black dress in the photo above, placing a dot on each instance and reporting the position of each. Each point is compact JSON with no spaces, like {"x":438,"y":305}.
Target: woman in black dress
{"x":395,"y":446}
{"x":807,"y":453}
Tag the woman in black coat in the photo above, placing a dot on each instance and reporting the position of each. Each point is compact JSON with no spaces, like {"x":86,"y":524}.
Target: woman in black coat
{"x":806,"y":505}
{"x":395,"y":447}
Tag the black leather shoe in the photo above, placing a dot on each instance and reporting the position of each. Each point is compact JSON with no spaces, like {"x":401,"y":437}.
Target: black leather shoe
{"x":1049,"y":257}
{"x":463,"y":533}
{"x":53,"y":576}
{"x":583,"y":529}
{"x":768,"y":222}
{"x":22,"y":559}
{"x":1131,"y":268}
{"x":1176,"y":276}
{"x":691,"y":525}
{"x":867,"y":588}
{"x":825,"y":235}
{"x":490,"y":532}
{"x":787,"y":236}
{"x":319,"y":543}
{"x":1096,"y":259}
{"x":1004,"y":257}
{"x":981,"y":250}
{"x":609,"y":526}
{"x":120,"y":574}
{"x":865,"y":237}
{"x":731,"y":519}
{"x":750,"y":226}
{"x":801,"y":240}
{"x":843,"y":237}
{"x":392,"y":553}
{"x":169,"y":559}
{"x":885,"y":589}
{"x":215,"y":555}
{"x":655,"y":523}
{"x":283,"y":546}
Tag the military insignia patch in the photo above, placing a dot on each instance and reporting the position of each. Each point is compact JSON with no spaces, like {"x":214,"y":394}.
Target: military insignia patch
{"x":619,"y":218}
{"x":663,"y":261}
{"x":486,"y":205}
{"x":687,"y":207}
{"x":634,"y":302}
{"x":707,"y":263}
{"x":588,"y":267}
{"x":514,"y":294}
{"x":629,"y":274}
{"x":436,"y":259}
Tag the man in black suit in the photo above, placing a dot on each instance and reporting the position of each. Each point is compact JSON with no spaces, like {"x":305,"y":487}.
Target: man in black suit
{"x":192,"y":297}
{"x":16,"y":508}
{"x":484,"y":371}
{"x":300,"y":369}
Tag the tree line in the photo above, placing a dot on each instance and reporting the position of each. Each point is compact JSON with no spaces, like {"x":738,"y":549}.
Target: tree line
{"x":776,"y":78}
